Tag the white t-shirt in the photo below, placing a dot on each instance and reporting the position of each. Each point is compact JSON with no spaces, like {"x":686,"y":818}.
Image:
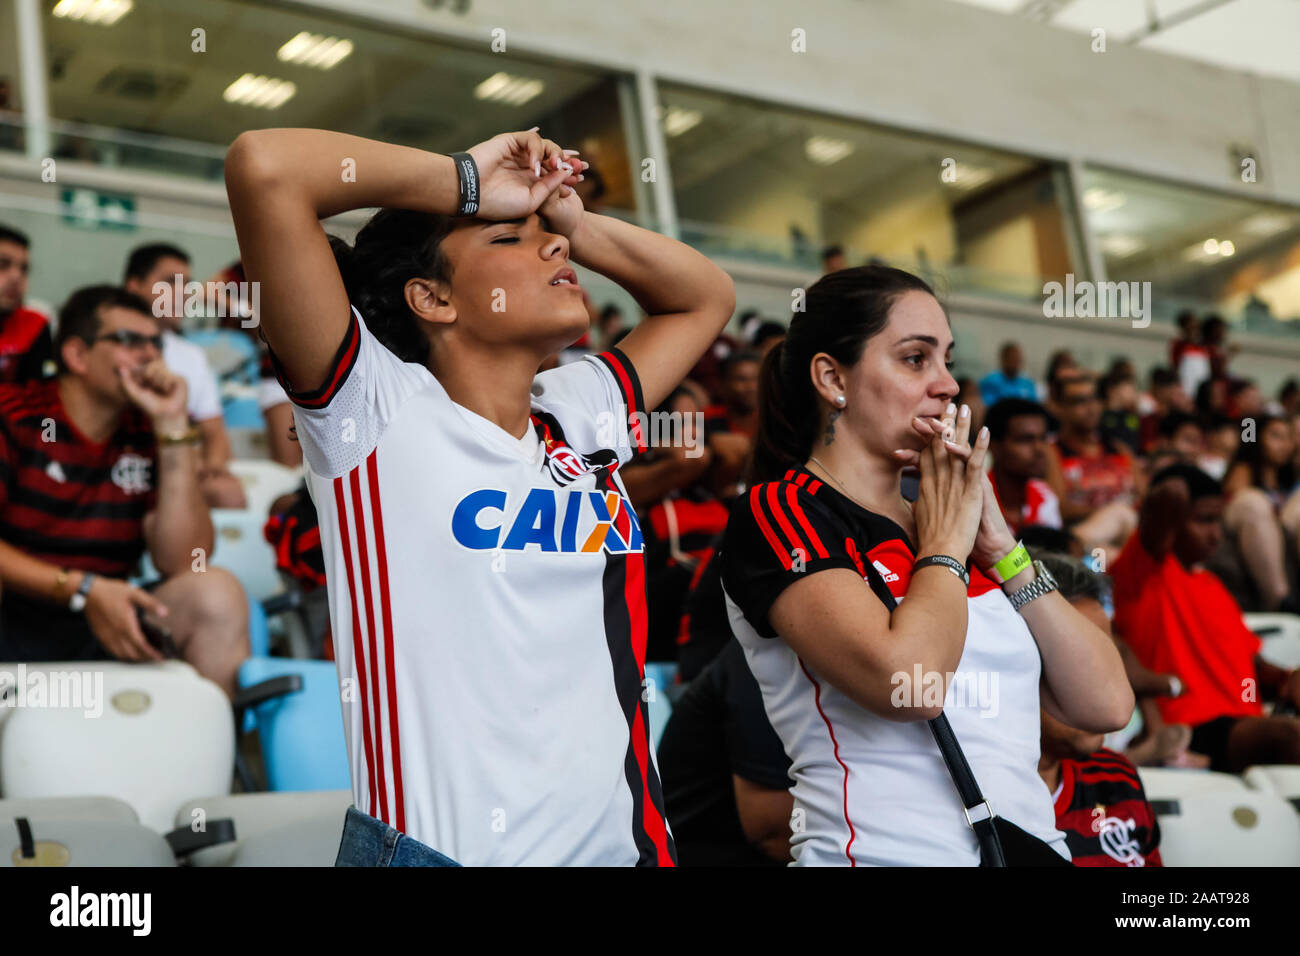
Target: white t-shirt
{"x":487,"y":601}
{"x":191,"y":363}
{"x":871,"y":791}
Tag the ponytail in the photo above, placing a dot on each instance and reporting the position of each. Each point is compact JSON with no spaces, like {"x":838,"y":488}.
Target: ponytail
{"x":787,"y":417}
{"x":396,"y":245}
{"x":843,"y":310}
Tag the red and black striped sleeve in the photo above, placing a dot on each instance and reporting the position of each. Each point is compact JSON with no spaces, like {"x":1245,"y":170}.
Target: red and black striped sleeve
{"x":344,"y":359}
{"x":629,"y":385}
{"x":778,"y":533}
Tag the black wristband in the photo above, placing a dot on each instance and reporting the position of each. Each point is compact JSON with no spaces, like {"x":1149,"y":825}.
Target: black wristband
{"x":943,"y":560}
{"x":467,"y":173}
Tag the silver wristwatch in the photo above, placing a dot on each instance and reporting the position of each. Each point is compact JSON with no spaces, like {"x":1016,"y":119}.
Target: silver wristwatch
{"x":1044,"y":583}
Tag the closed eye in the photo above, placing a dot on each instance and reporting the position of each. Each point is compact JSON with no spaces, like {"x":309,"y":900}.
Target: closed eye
{"x":500,"y":239}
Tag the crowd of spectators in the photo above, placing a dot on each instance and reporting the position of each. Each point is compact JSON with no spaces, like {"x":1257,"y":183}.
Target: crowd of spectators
{"x":1165,"y":511}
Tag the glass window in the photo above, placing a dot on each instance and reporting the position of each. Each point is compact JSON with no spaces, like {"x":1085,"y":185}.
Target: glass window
{"x":767,"y":182}
{"x":1198,"y":248}
{"x":146,"y":90}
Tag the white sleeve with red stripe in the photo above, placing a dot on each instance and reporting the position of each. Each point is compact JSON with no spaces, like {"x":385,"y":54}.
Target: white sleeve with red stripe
{"x":779,"y":533}
{"x":598,"y":403}
{"x":340,"y":423}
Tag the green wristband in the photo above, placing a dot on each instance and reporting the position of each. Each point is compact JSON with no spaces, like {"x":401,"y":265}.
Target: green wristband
{"x":1011,"y":565}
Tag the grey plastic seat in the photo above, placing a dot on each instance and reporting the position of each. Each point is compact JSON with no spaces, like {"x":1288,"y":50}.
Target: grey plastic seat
{"x":286,"y":828}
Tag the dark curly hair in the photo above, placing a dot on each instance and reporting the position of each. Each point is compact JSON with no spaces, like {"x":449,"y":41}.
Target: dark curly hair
{"x":396,"y":245}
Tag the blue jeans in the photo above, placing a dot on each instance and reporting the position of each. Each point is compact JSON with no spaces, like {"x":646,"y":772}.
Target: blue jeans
{"x":370,"y":842}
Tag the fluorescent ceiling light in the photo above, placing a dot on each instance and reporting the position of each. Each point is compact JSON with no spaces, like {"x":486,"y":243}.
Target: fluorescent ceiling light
{"x":1098,"y":199}
{"x":1226,"y":248}
{"x":106,"y":12}
{"x":261,"y":91}
{"x":1266,"y":224}
{"x":512,"y":90}
{"x":677,"y":120}
{"x":1210,"y":246}
{"x":970,"y":177}
{"x":312,"y":49}
{"x":825,"y":150}
{"x":1121,"y":246}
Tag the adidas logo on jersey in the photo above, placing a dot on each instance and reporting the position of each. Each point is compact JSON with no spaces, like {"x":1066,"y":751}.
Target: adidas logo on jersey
{"x":885,"y":573}
{"x":572,"y":522}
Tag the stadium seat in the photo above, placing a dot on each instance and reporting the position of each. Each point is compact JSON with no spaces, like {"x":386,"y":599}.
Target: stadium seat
{"x":69,"y":808}
{"x":80,"y":842}
{"x":659,"y":678}
{"x":300,"y":731}
{"x":242,"y":549}
{"x":1172,"y":783}
{"x":263,"y":482}
{"x":230,"y":354}
{"x":271,"y":829}
{"x":1279,"y":635}
{"x":1282,"y":779}
{"x":164,"y":733}
{"x":242,"y":411}
{"x":1230,"y":828}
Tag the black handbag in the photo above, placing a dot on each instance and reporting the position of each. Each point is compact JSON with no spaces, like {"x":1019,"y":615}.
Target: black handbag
{"x":1002,"y":843}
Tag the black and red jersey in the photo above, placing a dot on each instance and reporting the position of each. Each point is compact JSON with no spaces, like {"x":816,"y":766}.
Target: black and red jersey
{"x":1103,"y":812}
{"x":67,"y":499}
{"x":25,"y":346}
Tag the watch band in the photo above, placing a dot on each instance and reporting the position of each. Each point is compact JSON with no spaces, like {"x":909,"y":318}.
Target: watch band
{"x":943,"y":560}
{"x":78,"y":600}
{"x":1015,"y":561}
{"x":185,"y":437}
{"x":1043,"y":584}
{"x":467,"y":174}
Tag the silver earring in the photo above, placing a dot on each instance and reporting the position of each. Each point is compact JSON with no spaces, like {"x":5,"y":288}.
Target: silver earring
{"x":839,"y":400}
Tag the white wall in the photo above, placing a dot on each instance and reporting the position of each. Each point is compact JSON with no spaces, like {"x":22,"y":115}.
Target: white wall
{"x":928,"y":65}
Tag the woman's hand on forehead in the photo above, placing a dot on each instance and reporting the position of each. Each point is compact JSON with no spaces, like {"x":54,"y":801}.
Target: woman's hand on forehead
{"x":518,"y":171}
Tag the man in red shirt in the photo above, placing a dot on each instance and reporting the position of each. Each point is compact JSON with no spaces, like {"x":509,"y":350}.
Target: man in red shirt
{"x":1179,"y":619}
{"x":96,"y":465}
{"x":25,"y":347}
{"x":1018,"y":442}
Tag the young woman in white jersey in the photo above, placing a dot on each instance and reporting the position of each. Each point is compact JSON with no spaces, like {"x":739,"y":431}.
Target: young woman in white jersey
{"x":824,"y":545}
{"x":484,"y":569}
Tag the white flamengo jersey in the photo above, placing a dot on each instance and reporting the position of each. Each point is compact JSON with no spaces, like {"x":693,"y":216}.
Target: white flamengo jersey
{"x":487,"y":601}
{"x":870,"y":791}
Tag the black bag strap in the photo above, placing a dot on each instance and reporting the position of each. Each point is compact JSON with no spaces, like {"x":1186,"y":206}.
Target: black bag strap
{"x":979,"y":815}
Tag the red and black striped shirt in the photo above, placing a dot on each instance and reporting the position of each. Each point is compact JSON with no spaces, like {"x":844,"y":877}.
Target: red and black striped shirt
{"x":1103,"y":812}
{"x":69,"y":500}
{"x":25,"y":346}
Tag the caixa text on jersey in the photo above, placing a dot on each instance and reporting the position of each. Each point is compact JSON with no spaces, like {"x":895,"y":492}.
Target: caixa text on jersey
{"x":573,"y":522}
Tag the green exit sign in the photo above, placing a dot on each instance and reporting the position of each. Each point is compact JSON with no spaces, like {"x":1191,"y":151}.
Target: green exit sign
{"x":93,"y":209}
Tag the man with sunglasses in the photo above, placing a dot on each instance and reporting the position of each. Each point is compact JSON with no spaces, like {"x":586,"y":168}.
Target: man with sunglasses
{"x":96,"y":465}
{"x":155,"y":272}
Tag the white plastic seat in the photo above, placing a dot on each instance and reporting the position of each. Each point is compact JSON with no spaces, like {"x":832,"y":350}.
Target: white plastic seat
{"x":242,"y":549}
{"x":163,"y":733}
{"x":264,"y":481}
{"x":1172,"y":783}
{"x":1279,"y":636}
{"x":1282,"y":779}
{"x":73,"y":842}
{"x":290,"y":828}
{"x":1230,"y":828}
{"x":68,"y":808}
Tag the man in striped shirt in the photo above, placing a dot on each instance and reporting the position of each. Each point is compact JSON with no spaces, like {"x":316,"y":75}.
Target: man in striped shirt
{"x":96,"y":465}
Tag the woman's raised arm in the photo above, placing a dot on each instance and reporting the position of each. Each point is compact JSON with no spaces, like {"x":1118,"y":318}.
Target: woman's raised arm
{"x":282,"y":182}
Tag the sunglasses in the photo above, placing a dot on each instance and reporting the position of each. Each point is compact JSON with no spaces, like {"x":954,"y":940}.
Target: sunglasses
{"x":132,"y":340}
